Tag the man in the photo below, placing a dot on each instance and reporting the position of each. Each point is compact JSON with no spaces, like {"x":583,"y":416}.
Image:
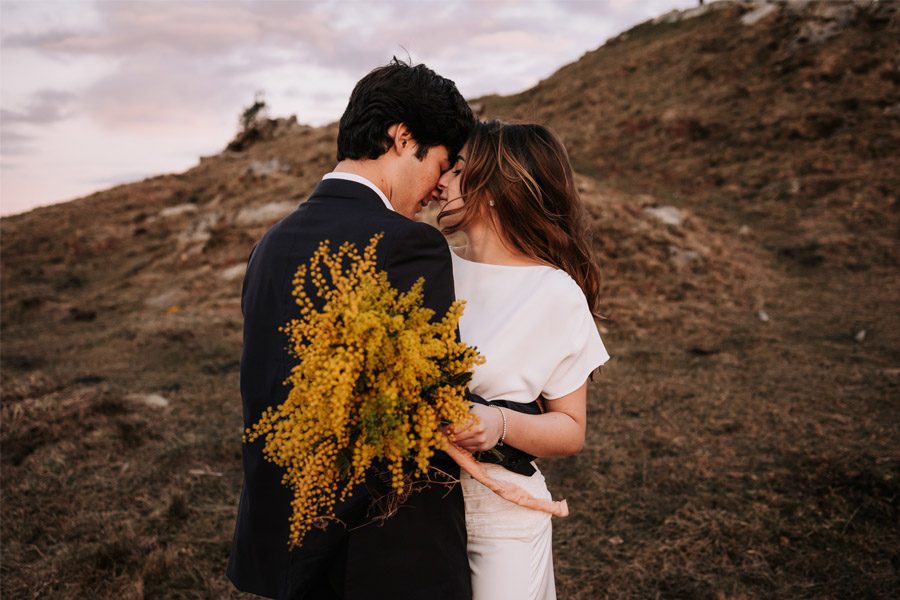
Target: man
{"x":401,"y":130}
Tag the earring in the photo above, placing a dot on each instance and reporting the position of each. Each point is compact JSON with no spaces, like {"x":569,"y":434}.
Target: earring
{"x":491,"y":202}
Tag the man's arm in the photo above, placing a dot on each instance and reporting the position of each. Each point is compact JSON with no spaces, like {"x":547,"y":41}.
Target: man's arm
{"x":417,"y":250}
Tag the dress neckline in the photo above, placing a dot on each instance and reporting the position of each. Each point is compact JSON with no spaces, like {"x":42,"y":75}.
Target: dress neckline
{"x":495,"y":266}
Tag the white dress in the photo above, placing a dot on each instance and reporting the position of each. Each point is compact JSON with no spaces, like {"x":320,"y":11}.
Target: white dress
{"x":534,"y":327}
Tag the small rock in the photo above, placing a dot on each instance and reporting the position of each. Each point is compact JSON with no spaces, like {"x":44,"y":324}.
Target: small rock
{"x":744,"y":230}
{"x":234,"y":272}
{"x":669,"y":215}
{"x":763,"y":316}
{"x":175,"y":211}
{"x":201,"y":472}
{"x":167,"y":299}
{"x":814,"y":32}
{"x":755,"y":16}
{"x":682,"y":259}
{"x":267,"y":213}
{"x":194,"y":238}
{"x":860,"y":336}
{"x":263,"y":168}
{"x":616,"y":540}
{"x":840,"y":13}
{"x":154,"y":400}
{"x":669,"y":116}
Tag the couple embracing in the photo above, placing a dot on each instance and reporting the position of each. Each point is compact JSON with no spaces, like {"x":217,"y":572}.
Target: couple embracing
{"x":408,"y":138}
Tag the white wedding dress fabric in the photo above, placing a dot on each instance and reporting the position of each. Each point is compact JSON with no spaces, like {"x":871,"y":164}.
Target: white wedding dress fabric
{"x":535,"y":329}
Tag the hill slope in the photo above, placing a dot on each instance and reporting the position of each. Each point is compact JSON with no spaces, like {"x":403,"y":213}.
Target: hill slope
{"x":743,"y":440}
{"x":791,"y":123}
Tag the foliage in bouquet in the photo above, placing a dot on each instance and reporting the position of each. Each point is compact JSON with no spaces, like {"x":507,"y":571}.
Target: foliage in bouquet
{"x":375,"y":380}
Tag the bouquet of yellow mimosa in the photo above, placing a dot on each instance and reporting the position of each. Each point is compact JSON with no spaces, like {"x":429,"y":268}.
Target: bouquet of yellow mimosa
{"x":375,"y":382}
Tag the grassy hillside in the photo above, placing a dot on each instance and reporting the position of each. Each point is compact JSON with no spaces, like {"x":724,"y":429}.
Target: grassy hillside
{"x":742,"y":441}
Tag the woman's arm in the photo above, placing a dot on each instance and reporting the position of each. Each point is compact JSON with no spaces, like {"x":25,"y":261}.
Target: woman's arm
{"x":558,"y":432}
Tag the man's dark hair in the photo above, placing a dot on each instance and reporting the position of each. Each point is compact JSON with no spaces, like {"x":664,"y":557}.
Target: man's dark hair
{"x":430,"y":105}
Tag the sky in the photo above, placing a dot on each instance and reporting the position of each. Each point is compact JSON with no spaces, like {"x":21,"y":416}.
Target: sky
{"x":98,"y":93}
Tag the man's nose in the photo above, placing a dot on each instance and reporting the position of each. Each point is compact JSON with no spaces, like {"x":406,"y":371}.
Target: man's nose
{"x":439,"y":188}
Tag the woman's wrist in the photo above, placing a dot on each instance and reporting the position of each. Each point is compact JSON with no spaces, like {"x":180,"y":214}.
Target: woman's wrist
{"x":505,"y":427}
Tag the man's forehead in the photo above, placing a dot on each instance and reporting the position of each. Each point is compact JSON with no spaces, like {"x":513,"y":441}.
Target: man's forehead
{"x":443,"y":154}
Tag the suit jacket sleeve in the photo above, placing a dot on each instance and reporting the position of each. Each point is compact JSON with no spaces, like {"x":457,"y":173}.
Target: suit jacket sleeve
{"x":244,"y":282}
{"x":419,"y":250}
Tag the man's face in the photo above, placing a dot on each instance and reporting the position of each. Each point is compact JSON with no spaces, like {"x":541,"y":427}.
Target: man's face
{"x":449,"y":192}
{"x":418,"y":178}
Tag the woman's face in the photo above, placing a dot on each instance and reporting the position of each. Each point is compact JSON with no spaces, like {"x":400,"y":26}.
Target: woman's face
{"x":451,"y":196}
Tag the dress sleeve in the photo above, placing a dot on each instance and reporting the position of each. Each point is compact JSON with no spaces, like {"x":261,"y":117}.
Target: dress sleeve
{"x":581,"y":349}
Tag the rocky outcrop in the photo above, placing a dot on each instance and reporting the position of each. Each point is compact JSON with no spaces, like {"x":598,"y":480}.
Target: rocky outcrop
{"x":263,"y":129}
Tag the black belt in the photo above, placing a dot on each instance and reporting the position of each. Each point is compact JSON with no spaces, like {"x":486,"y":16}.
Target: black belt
{"x":506,"y":456}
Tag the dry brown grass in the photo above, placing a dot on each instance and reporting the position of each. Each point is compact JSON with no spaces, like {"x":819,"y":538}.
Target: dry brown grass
{"x":727,"y":457}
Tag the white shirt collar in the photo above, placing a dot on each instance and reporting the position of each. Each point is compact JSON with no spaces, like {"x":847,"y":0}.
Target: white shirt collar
{"x":362,"y":180}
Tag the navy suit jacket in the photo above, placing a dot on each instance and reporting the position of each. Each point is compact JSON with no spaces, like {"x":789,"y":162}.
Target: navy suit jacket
{"x":420,"y":552}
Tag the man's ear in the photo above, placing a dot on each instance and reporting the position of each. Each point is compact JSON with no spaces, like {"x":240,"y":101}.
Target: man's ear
{"x":402,"y":138}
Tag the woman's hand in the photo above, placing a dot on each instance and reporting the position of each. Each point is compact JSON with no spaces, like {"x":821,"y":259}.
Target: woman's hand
{"x":481,"y":433}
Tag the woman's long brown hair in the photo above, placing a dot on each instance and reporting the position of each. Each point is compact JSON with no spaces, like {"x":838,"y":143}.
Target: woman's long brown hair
{"x":525,"y":170}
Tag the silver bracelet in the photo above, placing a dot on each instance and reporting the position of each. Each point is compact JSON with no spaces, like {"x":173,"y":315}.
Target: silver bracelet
{"x":503,"y":435}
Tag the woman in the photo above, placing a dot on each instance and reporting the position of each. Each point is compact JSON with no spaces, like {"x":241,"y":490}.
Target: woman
{"x":530,"y":284}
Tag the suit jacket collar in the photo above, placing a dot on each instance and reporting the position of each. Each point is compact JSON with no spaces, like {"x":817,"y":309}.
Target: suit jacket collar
{"x":351,"y":190}
{"x":363,"y":180}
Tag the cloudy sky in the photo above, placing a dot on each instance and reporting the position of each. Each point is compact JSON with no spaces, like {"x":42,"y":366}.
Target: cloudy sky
{"x":93,"y":94}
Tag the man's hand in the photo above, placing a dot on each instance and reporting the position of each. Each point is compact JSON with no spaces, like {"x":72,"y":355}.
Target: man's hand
{"x":481,"y":433}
